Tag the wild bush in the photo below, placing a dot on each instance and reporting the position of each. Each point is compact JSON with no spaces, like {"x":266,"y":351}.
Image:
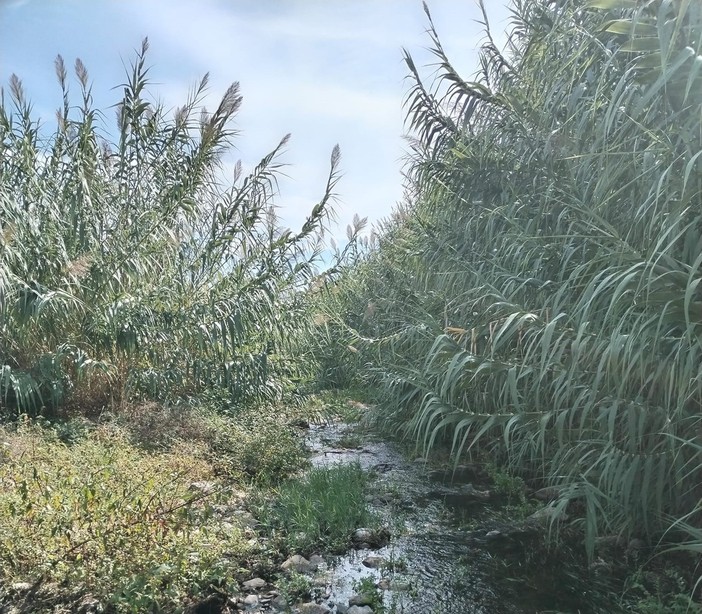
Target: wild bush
{"x":101,"y":517}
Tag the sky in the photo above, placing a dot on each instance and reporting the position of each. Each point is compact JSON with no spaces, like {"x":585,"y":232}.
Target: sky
{"x":327,"y":71}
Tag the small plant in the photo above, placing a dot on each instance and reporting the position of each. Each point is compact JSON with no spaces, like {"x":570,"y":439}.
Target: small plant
{"x":295,"y":587}
{"x":320,"y":510}
{"x":505,"y":484}
{"x":666,"y":592}
{"x":373,"y":597}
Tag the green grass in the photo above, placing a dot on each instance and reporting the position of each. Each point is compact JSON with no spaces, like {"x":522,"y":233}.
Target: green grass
{"x":321,"y":510}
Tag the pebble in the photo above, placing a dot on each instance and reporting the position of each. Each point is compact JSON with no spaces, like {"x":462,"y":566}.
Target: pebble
{"x":254,"y":584}
{"x":298,"y":564}
{"x":374,"y":562}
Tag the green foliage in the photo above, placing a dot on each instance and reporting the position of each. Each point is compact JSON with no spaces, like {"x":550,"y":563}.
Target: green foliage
{"x":537,"y":297}
{"x":366,"y":587}
{"x":255,"y":446}
{"x":320,"y":510}
{"x":101,"y":517}
{"x":294,"y":587}
{"x":664,"y":593}
{"x":144,"y":265}
{"x":249,"y":445}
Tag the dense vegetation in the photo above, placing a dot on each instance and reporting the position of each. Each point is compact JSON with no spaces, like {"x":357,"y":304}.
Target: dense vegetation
{"x":134,"y":263}
{"x":535,"y":302}
{"x":537,"y":297}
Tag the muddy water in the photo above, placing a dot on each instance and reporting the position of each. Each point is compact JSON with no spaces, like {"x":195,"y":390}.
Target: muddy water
{"x":432,"y":563}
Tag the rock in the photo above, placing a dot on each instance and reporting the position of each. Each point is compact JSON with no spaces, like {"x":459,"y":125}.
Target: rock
{"x":635,"y":546}
{"x":254,"y":584}
{"x":356,"y":609}
{"x":494,"y":534}
{"x":320,"y":581}
{"x":89,"y":605}
{"x":279,"y":603}
{"x":361,"y":599}
{"x":342,"y":609}
{"x":361,"y":535}
{"x":374,"y":562}
{"x":245,"y":519}
{"x":601,"y":568}
{"x":49,"y":590}
{"x":316,"y":560}
{"x":298,"y":564}
{"x":251,"y":601}
{"x":369,"y":538}
{"x":300,"y":423}
{"x":212,"y":603}
{"x":313,"y":608}
{"x":400,"y":585}
{"x":382,"y":467}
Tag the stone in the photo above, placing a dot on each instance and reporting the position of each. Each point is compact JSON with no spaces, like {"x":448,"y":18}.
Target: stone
{"x":89,"y":605}
{"x":298,"y":564}
{"x":313,"y":608}
{"x":368,"y":538}
{"x":251,"y":601}
{"x":361,"y":599}
{"x":374,"y":562}
{"x":254,"y":584}
{"x":245,"y":519}
{"x":316,"y":560}
{"x":362,"y":535}
{"x":494,"y":534}
{"x":357,"y":609}
{"x":279,"y":603}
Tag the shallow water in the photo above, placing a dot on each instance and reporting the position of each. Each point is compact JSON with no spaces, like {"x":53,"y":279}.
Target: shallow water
{"x":433,"y":564}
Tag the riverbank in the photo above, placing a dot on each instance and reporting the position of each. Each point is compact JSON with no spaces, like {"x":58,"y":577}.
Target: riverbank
{"x":193,"y":510}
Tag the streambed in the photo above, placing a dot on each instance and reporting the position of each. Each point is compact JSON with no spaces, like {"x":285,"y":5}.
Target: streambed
{"x":435,"y":561}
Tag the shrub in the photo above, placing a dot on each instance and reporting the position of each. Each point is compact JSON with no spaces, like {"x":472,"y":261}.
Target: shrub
{"x":102,"y":517}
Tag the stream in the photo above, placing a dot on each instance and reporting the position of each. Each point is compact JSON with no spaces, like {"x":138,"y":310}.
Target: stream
{"x":445,"y":555}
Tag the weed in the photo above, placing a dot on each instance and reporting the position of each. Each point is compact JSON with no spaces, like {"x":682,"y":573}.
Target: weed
{"x":295,"y":587}
{"x":320,"y":510}
{"x":106,"y":518}
{"x":374,"y":598}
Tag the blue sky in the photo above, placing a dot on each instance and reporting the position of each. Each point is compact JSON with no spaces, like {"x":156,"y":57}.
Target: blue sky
{"x":328,"y":71}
